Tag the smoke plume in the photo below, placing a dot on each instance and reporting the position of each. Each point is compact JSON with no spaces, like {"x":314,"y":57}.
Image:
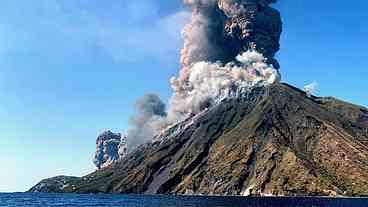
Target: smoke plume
{"x":222,"y":29}
{"x":201,"y":40}
{"x":310,"y":89}
{"x":110,"y":147}
{"x":229,"y":47}
{"x":149,"y":119}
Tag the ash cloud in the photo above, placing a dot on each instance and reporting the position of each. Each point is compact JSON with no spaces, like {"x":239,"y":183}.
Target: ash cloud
{"x":110,"y":147}
{"x":202,"y":39}
{"x":228,"y":45}
{"x":222,"y":29}
{"x":149,"y":119}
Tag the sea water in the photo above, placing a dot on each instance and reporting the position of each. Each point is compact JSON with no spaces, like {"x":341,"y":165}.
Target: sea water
{"x":44,"y":199}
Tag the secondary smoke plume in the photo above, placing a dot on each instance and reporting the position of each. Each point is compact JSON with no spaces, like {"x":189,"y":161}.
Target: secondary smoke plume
{"x":110,"y":147}
{"x":229,"y":47}
{"x":150,"y":118}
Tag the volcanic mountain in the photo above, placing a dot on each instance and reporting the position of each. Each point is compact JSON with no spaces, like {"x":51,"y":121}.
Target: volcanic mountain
{"x":236,"y":129}
{"x":269,"y":140}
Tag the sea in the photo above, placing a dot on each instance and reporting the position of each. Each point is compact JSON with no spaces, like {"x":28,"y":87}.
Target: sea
{"x":46,"y":199}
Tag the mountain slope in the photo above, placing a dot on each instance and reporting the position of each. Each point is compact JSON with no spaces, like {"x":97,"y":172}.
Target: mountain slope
{"x":269,"y":141}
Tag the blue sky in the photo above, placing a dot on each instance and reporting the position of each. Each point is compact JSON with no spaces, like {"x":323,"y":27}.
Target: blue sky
{"x":71,"y":69}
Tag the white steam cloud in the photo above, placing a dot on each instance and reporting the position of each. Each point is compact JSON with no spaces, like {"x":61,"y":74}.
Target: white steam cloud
{"x":310,"y":89}
{"x":209,"y":82}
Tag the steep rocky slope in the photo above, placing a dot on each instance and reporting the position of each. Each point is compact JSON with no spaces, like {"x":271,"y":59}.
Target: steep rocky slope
{"x":269,"y":141}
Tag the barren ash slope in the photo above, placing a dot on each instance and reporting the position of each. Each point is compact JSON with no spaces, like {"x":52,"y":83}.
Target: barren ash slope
{"x":240,"y":131}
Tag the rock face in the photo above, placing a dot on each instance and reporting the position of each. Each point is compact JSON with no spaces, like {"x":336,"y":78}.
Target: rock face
{"x":269,"y":141}
{"x":110,"y":147}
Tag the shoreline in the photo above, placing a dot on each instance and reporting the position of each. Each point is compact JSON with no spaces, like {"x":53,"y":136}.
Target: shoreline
{"x":198,"y":196}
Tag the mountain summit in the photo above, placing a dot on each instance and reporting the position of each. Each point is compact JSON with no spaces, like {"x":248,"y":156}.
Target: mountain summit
{"x":272,"y":140}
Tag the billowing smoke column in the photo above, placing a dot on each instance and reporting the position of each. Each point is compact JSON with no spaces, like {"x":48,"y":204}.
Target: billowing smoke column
{"x":202,"y":39}
{"x":229,"y":48}
{"x":110,"y":147}
{"x":252,"y":24}
{"x":222,"y":29}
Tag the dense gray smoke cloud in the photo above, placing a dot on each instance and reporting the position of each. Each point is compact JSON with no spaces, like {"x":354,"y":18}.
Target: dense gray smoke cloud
{"x":222,"y":29}
{"x":150,"y":117}
{"x":252,"y":24}
{"x":110,"y":147}
{"x":201,"y":40}
{"x":229,"y":47}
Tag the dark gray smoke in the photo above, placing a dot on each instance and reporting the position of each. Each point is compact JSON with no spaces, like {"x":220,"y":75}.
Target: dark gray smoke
{"x":110,"y":147}
{"x":252,"y":24}
{"x":149,"y":119}
{"x":203,"y":40}
{"x":222,"y":29}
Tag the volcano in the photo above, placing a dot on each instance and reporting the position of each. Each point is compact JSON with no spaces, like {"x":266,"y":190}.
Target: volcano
{"x":232,"y":128}
{"x":273,"y":140}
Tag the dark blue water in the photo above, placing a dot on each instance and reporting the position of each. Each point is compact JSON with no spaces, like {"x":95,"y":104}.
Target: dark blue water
{"x":40,"y":199}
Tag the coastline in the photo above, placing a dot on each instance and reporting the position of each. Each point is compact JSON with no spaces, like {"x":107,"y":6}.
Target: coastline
{"x":198,"y":196}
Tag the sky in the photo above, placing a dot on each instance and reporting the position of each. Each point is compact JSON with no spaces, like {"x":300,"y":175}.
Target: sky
{"x":71,"y":69}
